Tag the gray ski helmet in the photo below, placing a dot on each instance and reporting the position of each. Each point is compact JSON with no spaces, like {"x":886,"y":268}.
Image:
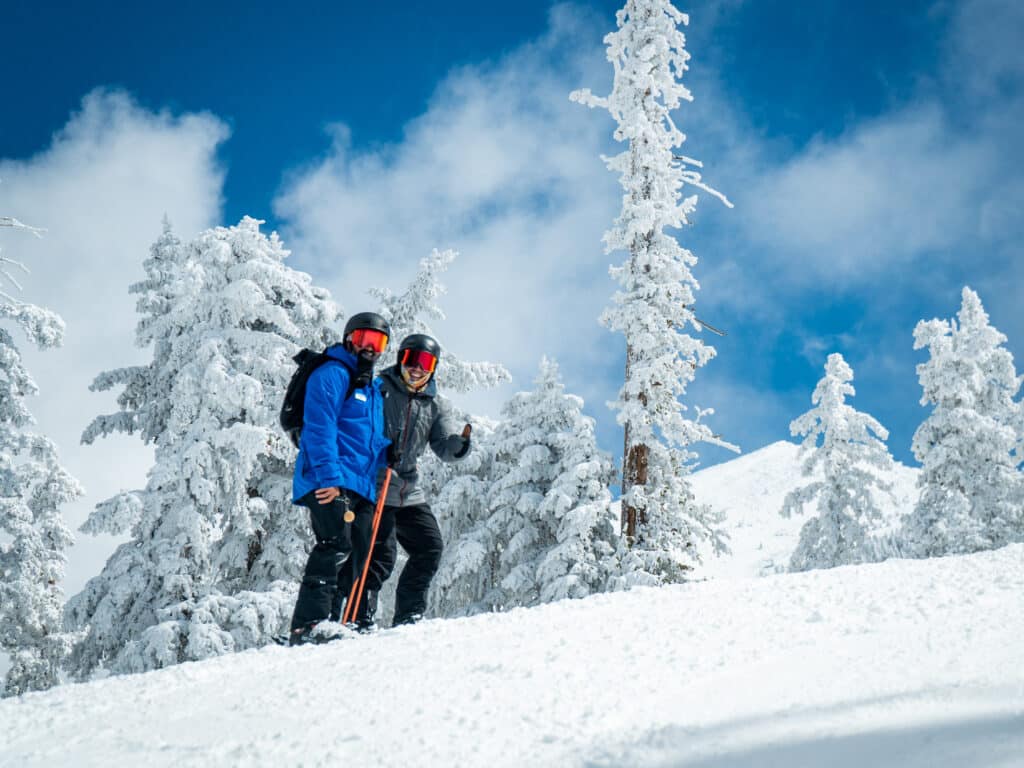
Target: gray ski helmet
{"x":420,"y":342}
{"x":369,"y":320}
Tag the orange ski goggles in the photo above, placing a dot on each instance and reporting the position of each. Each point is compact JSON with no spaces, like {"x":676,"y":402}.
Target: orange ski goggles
{"x":362,"y":338}
{"x":418,"y":358}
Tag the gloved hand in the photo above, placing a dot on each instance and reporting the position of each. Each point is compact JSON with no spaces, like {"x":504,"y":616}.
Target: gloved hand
{"x":466,"y":431}
{"x":393,"y":456}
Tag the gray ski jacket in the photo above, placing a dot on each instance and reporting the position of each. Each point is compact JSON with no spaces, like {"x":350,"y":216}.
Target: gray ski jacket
{"x":411,"y":421}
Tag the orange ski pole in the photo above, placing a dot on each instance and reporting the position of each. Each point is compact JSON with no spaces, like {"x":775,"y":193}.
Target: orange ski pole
{"x":355,"y":596}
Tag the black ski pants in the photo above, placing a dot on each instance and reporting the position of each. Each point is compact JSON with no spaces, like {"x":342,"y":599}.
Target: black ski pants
{"x":340,"y":547}
{"x":415,"y":529}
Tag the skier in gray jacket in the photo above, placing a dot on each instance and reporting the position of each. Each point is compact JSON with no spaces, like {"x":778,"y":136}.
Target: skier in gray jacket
{"x":415,"y":416}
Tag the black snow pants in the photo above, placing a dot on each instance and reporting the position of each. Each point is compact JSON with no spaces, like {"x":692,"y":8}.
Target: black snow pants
{"x":340,"y":548}
{"x":415,"y":529}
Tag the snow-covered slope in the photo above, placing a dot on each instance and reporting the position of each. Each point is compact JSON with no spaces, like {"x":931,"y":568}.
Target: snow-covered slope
{"x":903,"y":663}
{"x":750,"y":490}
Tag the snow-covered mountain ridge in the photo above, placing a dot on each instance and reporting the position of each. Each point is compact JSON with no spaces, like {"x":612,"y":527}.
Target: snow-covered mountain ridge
{"x":910,"y":663}
{"x":750,"y":490}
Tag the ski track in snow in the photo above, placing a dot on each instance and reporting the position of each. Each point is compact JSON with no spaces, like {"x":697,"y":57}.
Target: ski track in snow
{"x":903,"y":663}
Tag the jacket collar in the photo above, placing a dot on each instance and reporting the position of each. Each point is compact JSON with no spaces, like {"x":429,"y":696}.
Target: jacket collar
{"x":394,"y":375}
{"x":342,"y":355}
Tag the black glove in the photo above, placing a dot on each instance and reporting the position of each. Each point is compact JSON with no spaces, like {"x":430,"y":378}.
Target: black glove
{"x":465,"y":442}
{"x":393,"y":456}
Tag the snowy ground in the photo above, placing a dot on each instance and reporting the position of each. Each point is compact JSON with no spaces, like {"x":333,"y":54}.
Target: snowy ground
{"x":904,"y":663}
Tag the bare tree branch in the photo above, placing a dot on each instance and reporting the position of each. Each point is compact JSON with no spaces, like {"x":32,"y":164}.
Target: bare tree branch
{"x":10,"y":221}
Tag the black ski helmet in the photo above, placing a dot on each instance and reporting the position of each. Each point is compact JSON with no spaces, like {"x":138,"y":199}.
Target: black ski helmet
{"x":420,"y":342}
{"x":368,"y":320}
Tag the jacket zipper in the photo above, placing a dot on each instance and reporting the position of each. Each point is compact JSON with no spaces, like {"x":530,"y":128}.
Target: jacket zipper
{"x":405,"y":442}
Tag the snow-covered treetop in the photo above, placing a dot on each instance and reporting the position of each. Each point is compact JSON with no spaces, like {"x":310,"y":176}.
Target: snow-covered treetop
{"x":969,"y":367}
{"x":648,"y":53}
{"x":844,"y":432}
{"x":409,"y":312}
{"x":233,"y":282}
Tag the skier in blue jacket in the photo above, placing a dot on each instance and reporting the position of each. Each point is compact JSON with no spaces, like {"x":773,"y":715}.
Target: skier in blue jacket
{"x":341,"y":449}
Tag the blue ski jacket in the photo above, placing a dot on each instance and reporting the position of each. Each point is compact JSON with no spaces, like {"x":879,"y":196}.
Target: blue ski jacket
{"x":342,"y":443}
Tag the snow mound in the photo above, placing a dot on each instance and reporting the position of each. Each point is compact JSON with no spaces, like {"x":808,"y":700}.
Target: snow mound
{"x":902,"y":663}
{"x":750,"y":490}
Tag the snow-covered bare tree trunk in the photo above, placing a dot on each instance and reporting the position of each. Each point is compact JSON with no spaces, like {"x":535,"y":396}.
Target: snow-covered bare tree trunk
{"x":850,"y":457}
{"x":33,"y":488}
{"x":654,"y":307}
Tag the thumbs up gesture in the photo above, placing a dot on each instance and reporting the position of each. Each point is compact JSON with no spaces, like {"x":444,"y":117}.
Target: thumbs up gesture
{"x":466,"y":430}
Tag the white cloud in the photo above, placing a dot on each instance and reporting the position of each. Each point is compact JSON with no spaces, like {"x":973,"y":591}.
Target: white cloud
{"x":880,"y":196}
{"x":503,"y":168}
{"x":101,"y":190}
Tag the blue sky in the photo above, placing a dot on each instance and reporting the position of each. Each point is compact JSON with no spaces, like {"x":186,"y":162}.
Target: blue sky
{"x":277,"y":76}
{"x":871,"y":150}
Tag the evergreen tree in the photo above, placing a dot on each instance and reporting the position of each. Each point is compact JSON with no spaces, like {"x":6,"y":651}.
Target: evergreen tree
{"x":409,"y":313}
{"x":543,"y":530}
{"x":469,"y":565}
{"x":213,"y":533}
{"x":972,"y":488}
{"x":654,"y":307}
{"x":549,"y":502}
{"x":33,"y":487}
{"x":849,"y":456}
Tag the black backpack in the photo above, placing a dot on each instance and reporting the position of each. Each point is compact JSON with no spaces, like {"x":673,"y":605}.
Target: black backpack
{"x":292,"y":410}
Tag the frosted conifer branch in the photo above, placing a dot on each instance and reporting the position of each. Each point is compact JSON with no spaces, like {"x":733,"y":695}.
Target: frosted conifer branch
{"x":693,"y":178}
{"x":10,"y":279}
{"x":10,"y":221}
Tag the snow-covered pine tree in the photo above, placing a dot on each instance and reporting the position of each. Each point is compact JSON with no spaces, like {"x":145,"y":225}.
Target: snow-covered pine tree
{"x":972,"y":487}
{"x":409,"y":313}
{"x":549,"y":501}
{"x":33,"y":487}
{"x":468,"y":565}
{"x":849,"y":457}
{"x":654,"y":307}
{"x":213,"y":533}
{"x":542,"y":527}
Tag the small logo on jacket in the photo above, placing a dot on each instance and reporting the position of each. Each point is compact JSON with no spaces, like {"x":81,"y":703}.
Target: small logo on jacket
{"x":360,"y":396}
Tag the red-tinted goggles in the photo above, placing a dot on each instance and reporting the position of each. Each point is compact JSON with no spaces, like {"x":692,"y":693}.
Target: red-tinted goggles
{"x":362,"y":338}
{"x":417,"y":358}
